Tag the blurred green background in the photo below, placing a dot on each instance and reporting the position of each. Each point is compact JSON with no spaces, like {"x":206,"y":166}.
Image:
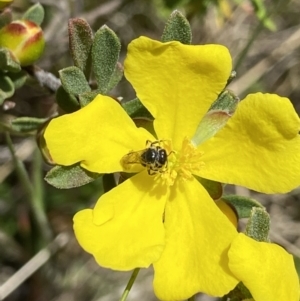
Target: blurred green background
{"x":264,"y":40}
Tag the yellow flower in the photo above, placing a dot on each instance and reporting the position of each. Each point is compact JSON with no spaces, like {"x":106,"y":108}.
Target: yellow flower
{"x":168,"y":219}
{"x":266,"y":269}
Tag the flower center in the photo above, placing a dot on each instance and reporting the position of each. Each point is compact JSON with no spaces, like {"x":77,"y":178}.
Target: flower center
{"x":183,"y":163}
{"x":165,"y":163}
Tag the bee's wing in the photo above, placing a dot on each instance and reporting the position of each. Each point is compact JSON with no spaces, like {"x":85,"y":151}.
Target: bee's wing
{"x":132,"y":158}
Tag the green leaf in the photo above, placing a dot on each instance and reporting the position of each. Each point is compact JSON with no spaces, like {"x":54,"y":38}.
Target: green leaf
{"x":109,"y":182}
{"x":7,"y":88}
{"x":226,"y":101}
{"x":66,"y":177}
{"x":297,"y":265}
{"x":42,"y":145}
{"x":81,"y":40}
{"x":35,"y":14}
{"x":116,"y":77}
{"x":87,"y":97}
{"x":243,"y":205}
{"x":5,"y":17}
{"x":18,"y":78}
{"x":74,"y":81}
{"x":177,"y":28}
{"x":258,"y":225}
{"x":66,"y":101}
{"x":105,"y":54}
{"x":146,"y":123}
{"x":215,"y":189}
{"x":135,"y":108}
{"x":216,"y":117}
{"x":27,"y":124}
{"x":8,"y":62}
{"x":263,"y":14}
{"x":239,"y":293}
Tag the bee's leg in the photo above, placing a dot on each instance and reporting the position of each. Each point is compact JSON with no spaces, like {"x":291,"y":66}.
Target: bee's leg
{"x":153,"y":170}
{"x":148,"y":143}
{"x":156,"y":142}
{"x":150,"y":172}
{"x":171,"y":152}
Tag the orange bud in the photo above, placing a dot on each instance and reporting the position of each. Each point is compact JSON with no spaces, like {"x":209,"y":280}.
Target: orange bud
{"x":24,"y":39}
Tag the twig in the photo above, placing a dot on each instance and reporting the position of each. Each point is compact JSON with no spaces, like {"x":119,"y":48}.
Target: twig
{"x":45,"y":79}
{"x":23,"y":151}
{"x":240,"y":85}
{"x":103,"y":10}
{"x":32,"y":265}
{"x":35,"y":203}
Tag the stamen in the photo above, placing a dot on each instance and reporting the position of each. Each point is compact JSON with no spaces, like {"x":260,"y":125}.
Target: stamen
{"x":183,"y":163}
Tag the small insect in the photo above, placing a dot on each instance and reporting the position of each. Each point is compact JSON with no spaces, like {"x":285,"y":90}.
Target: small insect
{"x":154,"y":157}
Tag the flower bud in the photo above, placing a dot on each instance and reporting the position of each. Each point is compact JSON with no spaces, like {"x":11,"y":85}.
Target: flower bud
{"x":24,"y":39}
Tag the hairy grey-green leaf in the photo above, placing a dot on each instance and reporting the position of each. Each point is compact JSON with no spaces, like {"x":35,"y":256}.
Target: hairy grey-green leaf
{"x":226,"y":101}
{"x":35,"y":14}
{"x":74,"y":81}
{"x":87,"y":97}
{"x":135,"y":108}
{"x":258,"y":225}
{"x":80,"y":41}
{"x":66,"y":101}
{"x":27,"y":124}
{"x":216,"y":117}
{"x":7,"y":88}
{"x":177,"y":28}
{"x":215,"y":189}
{"x":105,"y":54}
{"x":8,"y":62}
{"x":243,"y":205}
{"x":116,"y":77}
{"x":66,"y":177}
{"x":18,"y":78}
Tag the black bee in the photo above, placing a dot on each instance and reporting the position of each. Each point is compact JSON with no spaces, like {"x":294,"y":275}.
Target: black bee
{"x":154,"y":157}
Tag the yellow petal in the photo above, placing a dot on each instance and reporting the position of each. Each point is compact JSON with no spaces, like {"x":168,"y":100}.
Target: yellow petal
{"x":98,"y":136}
{"x":198,"y":236}
{"x":125,"y":230}
{"x":228,"y":210}
{"x":266,"y":269}
{"x":177,"y":83}
{"x":258,"y":148}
